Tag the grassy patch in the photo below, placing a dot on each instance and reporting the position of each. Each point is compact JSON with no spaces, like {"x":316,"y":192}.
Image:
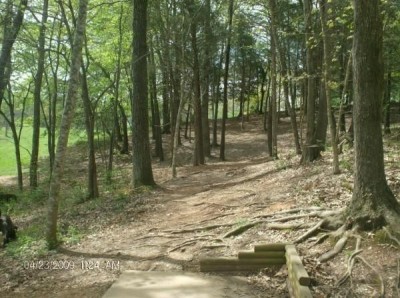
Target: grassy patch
{"x":8,"y":165}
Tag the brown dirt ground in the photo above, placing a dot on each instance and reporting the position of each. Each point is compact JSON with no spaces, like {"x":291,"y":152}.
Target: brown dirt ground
{"x":161,"y":229}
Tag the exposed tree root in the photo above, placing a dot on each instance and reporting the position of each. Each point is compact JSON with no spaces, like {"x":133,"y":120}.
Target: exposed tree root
{"x":311,"y":231}
{"x":291,"y":211}
{"x":350,"y":263}
{"x":393,"y":238}
{"x":214,"y":246}
{"x":376,"y":272}
{"x":188,"y":242}
{"x":336,"y":249}
{"x":198,"y":229}
{"x":398,"y":278}
{"x":241,"y":229}
{"x":321,"y":239}
{"x":269,"y":225}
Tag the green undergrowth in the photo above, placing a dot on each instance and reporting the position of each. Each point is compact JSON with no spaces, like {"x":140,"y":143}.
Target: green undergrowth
{"x":79,"y":216}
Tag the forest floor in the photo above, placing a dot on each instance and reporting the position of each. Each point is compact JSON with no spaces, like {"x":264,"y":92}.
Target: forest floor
{"x":169,"y":228}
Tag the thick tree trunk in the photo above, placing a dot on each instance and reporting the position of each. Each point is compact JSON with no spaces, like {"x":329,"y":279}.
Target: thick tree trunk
{"x":142,"y":170}
{"x":73,"y":86}
{"x":373,"y":203}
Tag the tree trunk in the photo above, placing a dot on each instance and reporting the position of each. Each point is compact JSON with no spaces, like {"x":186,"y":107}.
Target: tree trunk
{"x":388,"y":95}
{"x":124,"y":120}
{"x":156,"y":112}
{"x":311,"y":150}
{"x":324,"y":8}
{"x":373,"y":203}
{"x":217,"y":97}
{"x":322,"y":117}
{"x":142,"y":170}
{"x":9,"y":36}
{"x":226,"y":74}
{"x":33,"y":169}
{"x":73,"y":86}
{"x":198,"y":156}
{"x":206,"y":80}
{"x":273,"y":111}
{"x":93,"y":189}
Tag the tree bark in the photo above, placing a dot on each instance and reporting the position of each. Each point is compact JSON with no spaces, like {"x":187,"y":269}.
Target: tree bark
{"x":273,"y":101}
{"x":33,"y":169}
{"x":388,"y":95}
{"x":198,"y":125}
{"x":206,"y":80}
{"x":311,"y":150}
{"x":142,"y":170}
{"x":373,"y":203}
{"x":324,"y":8}
{"x":226,"y":74}
{"x":73,"y":86}
{"x":10,"y":34}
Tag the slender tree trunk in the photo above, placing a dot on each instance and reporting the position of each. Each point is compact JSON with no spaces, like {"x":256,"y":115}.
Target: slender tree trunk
{"x":322,"y":117}
{"x":324,"y":8}
{"x":373,"y":203}
{"x":10,"y":34}
{"x":93,"y":189}
{"x":73,"y":85}
{"x":33,"y":169}
{"x":198,"y":126}
{"x":156,"y":112}
{"x":142,"y":170}
{"x":124,"y":120}
{"x":15,"y":134}
{"x":388,"y":95}
{"x":284,"y":71}
{"x":311,"y":150}
{"x":226,"y":74}
{"x":206,"y":80}
{"x":217,"y":98}
{"x":273,"y":111}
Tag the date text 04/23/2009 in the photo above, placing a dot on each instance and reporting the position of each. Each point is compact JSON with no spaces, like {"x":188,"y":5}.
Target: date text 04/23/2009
{"x":71,"y":265}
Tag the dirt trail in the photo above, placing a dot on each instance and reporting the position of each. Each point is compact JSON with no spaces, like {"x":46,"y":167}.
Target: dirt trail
{"x":189,"y":216}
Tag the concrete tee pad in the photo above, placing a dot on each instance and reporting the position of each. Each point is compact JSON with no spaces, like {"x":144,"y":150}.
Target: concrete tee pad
{"x":158,"y":284}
